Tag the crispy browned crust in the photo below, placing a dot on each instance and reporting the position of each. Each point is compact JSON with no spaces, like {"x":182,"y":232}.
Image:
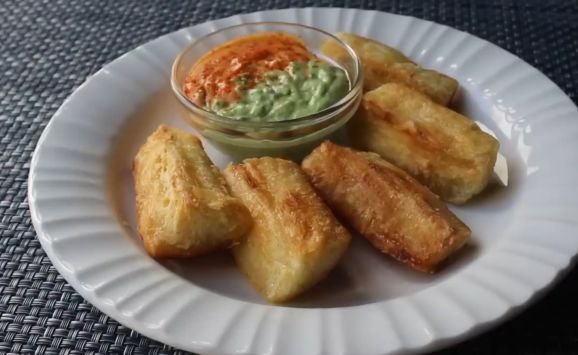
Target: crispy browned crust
{"x":383,"y":64}
{"x":444,"y":150}
{"x":184,"y":207}
{"x":397,"y":214}
{"x":295,"y":240}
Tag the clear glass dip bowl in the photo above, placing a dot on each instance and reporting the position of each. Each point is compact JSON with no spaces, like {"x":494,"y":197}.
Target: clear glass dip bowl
{"x":292,"y":138}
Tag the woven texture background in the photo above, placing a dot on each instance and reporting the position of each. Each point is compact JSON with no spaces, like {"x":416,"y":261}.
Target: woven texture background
{"x":48,"y":48}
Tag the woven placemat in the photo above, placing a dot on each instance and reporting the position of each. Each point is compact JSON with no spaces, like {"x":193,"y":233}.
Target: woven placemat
{"x":48,"y":48}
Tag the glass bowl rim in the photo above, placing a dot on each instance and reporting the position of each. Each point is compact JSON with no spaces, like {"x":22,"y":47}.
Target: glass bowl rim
{"x":313,"y":118}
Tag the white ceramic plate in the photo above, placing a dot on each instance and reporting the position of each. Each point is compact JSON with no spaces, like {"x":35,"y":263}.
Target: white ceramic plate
{"x":524,"y":234}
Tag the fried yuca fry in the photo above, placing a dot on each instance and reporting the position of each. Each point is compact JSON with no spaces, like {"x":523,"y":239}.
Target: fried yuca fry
{"x":184,"y":207}
{"x":295,"y":240}
{"x":397,"y":214}
{"x":383,"y":64}
{"x":444,"y":150}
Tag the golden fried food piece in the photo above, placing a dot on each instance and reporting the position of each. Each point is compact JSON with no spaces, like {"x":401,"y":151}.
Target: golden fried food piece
{"x":397,"y":214}
{"x":295,"y":240}
{"x":183,"y":203}
{"x":383,"y":64}
{"x":444,"y":150}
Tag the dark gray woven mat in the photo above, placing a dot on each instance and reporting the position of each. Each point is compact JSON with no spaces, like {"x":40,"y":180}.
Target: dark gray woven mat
{"x":48,"y":48}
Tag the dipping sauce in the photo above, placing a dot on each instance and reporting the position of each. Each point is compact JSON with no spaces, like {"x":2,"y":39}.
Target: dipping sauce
{"x":264,"y":77}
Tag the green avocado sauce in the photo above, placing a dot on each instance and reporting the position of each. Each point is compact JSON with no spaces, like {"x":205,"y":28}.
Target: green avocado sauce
{"x":301,"y":90}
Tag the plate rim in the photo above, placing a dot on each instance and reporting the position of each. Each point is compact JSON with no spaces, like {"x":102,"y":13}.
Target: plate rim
{"x":114,"y":313}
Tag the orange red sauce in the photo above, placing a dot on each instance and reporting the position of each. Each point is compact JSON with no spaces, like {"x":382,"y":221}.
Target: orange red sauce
{"x":213,"y":75}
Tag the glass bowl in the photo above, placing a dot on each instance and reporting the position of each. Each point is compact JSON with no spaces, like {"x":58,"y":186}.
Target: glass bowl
{"x":291,"y":138}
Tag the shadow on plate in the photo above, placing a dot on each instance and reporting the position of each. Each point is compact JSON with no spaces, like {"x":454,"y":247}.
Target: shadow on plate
{"x":364,"y":276}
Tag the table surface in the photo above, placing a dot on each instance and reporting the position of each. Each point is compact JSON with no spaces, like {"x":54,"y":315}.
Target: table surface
{"x":48,"y":48}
